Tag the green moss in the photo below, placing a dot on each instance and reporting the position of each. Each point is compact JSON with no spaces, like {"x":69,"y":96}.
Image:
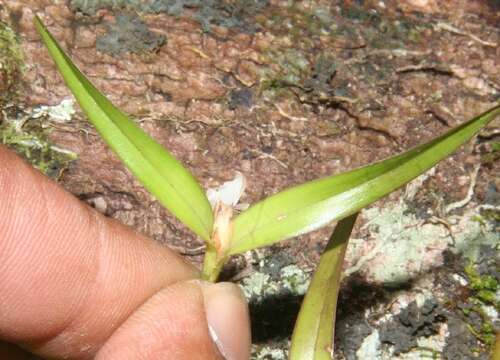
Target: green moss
{"x":29,"y":138}
{"x":19,"y":129}
{"x":484,"y":287}
{"x":11,"y":60}
{"x":490,"y":215}
{"x":486,"y":334}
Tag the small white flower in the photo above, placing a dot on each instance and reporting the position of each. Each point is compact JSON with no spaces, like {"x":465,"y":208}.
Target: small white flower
{"x":228,"y":193}
{"x":223,"y":200}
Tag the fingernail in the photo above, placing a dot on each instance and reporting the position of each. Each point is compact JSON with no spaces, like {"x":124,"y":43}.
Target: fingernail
{"x":228,"y":320}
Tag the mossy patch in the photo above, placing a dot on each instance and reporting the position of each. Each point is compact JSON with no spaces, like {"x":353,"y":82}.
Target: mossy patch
{"x":11,"y":60}
{"x":483,"y":305}
{"x":484,"y":287}
{"x":29,"y":138}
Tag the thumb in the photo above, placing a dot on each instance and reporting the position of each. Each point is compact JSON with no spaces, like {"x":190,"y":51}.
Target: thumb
{"x":74,"y":284}
{"x":187,"y":320}
{"x":228,"y":319}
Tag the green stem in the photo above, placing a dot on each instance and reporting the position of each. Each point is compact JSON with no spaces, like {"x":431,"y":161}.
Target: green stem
{"x":212,"y":264}
{"x":495,"y":354}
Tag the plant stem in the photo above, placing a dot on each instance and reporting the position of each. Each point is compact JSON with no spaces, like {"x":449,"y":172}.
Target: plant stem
{"x":212,"y":264}
{"x":219,"y":244}
{"x":495,"y":354}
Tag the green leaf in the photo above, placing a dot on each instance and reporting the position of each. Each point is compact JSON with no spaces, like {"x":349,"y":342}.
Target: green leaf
{"x":155,"y":167}
{"x":312,"y":205}
{"x":313,"y":335}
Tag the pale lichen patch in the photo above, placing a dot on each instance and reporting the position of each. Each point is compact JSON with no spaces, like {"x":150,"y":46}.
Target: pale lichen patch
{"x":61,"y":113}
{"x":268,"y":353}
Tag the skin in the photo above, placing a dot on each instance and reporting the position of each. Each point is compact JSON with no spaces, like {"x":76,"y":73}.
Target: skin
{"x":77,"y":285}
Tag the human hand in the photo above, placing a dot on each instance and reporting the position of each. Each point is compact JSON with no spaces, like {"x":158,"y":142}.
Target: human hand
{"x":77,"y":285}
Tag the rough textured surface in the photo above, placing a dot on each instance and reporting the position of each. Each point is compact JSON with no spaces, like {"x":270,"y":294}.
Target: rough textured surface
{"x":24,"y":131}
{"x":460,"y":350}
{"x":206,"y":12}
{"x":128,"y":34}
{"x":10,"y":60}
{"x":353,"y":329}
{"x":286,"y":92}
{"x":411,"y":323}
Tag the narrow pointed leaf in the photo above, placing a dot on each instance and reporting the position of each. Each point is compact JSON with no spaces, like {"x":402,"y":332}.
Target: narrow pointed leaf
{"x":312,"y":205}
{"x":154,"y":166}
{"x":313,"y":335}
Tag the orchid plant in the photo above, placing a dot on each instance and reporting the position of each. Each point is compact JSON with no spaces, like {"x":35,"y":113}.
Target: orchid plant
{"x":284,"y":215}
